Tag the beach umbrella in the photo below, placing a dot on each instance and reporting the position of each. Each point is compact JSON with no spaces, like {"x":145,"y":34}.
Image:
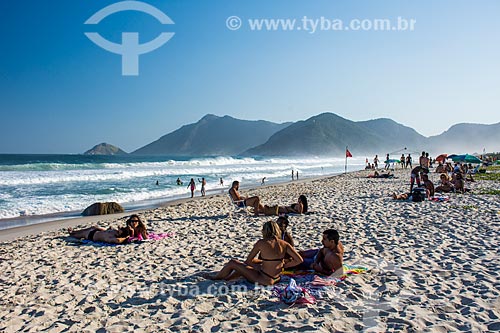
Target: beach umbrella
{"x":452,"y":156}
{"x":441,"y":158}
{"x":466,"y":158}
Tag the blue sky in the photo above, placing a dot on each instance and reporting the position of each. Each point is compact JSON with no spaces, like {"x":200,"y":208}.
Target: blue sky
{"x":61,"y":93}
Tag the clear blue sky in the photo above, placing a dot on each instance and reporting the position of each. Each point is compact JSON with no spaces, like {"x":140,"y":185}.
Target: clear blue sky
{"x":61,"y":93}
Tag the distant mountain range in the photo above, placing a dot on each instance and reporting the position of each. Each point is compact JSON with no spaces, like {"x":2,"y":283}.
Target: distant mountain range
{"x":329,"y":134}
{"x":324,"y":134}
{"x":213,"y":136}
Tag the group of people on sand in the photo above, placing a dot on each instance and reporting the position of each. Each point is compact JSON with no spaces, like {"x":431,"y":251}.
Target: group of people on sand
{"x":451,"y":179}
{"x":299,"y":207}
{"x":404,"y":161}
{"x":275,"y":252}
{"x":265,"y":263}
{"x":134,"y":229}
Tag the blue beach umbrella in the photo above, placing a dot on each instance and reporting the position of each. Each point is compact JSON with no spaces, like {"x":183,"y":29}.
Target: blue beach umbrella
{"x":466,"y":158}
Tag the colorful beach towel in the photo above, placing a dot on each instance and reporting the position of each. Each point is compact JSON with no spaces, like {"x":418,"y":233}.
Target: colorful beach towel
{"x":152,"y":237}
{"x":135,"y":240}
{"x":440,"y":198}
{"x":313,"y":283}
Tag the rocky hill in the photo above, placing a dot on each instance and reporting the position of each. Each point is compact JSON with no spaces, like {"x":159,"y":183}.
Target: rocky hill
{"x":105,"y":149}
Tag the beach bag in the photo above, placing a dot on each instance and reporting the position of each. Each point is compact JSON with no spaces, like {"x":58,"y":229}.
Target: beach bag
{"x":294,"y":294}
{"x":418,"y":195}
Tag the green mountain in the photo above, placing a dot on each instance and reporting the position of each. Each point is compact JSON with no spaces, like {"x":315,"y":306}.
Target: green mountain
{"x":467,"y":138}
{"x":105,"y":149}
{"x":212,"y":135}
{"x":329,"y":134}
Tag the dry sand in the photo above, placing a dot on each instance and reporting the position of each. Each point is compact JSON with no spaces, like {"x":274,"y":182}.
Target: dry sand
{"x":432,"y":266}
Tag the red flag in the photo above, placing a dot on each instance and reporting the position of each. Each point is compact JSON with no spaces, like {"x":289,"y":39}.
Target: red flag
{"x":347,"y":153}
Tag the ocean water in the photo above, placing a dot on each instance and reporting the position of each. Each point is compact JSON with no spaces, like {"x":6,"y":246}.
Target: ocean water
{"x":46,"y":184}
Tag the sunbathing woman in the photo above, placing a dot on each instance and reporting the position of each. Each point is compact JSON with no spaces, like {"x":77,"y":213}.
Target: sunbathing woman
{"x":381,"y":175}
{"x":300,"y":207}
{"x":98,"y":234}
{"x":137,"y":227}
{"x":267,"y":270}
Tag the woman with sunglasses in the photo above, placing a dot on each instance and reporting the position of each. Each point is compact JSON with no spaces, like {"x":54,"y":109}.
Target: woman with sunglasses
{"x":137,"y":227}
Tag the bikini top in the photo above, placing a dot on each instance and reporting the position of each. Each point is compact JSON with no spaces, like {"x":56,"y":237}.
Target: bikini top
{"x":278,"y":259}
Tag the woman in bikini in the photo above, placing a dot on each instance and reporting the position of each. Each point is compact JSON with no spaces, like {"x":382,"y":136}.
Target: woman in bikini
{"x":300,"y":207}
{"x":98,"y":234}
{"x":266,"y":270}
{"x":137,"y":227}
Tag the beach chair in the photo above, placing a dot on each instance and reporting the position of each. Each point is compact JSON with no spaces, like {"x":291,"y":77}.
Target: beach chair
{"x":475,"y":170}
{"x":238,"y":205}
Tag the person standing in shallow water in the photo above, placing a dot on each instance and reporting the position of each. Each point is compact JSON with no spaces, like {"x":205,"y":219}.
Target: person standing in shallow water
{"x":203,"y":183}
{"x":192,"y":186}
{"x":293,"y":175}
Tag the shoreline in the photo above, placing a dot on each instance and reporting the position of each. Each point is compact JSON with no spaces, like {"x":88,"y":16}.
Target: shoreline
{"x":55,"y":221}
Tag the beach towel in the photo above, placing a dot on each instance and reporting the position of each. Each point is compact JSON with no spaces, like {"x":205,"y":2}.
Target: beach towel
{"x":294,"y":294}
{"x":152,"y":237}
{"x":316,"y":284}
{"x":131,"y":240}
{"x":439,"y":198}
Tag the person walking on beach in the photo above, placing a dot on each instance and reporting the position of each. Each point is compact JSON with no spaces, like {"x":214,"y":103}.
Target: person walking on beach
{"x":402,"y":160}
{"x":263,"y":181}
{"x":192,"y":185}
{"x":408,"y":161}
{"x":297,"y":175}
{"x":375,"y":161}
{"x":203,"y":183}
{"x":387,"y":164}
{"x":221,"y":182}
{"x":293,"y":175}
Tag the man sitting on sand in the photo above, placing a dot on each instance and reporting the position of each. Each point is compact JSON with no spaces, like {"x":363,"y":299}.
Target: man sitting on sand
{"x":329,"y":258}
{"x":429,"y":186}
{"x":250,"y":201}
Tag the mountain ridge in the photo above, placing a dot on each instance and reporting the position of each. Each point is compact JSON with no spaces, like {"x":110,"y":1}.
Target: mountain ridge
{"x":323,"y":134}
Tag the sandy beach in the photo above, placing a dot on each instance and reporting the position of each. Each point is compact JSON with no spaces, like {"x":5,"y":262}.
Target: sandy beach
{"x":432,"y":266}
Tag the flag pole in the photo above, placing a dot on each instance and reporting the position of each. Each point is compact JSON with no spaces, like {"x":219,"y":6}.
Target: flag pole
{"x":345,"y":168}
